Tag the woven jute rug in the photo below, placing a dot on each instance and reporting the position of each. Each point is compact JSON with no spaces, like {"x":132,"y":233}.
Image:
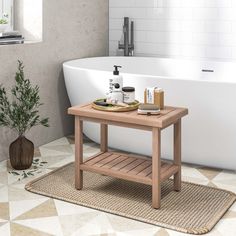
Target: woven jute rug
{"x":195,"y":210}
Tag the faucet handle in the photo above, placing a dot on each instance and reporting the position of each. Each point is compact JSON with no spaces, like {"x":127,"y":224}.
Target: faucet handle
{"x":120,"y":45}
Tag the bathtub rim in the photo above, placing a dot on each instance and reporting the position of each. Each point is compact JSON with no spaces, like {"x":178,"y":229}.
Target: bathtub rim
{"x":67,"y":65}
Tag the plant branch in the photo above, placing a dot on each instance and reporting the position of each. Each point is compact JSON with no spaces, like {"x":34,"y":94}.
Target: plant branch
{"x":22,"y":112}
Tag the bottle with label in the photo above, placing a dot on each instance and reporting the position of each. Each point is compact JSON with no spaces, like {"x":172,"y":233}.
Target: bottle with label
{"x":116,"y":82}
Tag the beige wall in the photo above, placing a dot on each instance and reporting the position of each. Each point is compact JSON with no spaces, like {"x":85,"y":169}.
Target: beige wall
{"x":71,"y":29}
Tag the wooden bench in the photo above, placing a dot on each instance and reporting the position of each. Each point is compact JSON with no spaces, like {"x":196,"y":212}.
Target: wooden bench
{"x":151,"y":171}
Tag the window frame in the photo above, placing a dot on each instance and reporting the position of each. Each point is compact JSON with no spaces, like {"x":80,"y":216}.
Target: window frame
{"x":6,"y":12}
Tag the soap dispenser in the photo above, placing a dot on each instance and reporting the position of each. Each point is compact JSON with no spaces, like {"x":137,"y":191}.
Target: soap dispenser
{"x":116,"y":82}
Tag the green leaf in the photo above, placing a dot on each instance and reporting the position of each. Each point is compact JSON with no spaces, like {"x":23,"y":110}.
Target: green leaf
{"x":24,"y":175}
{"x":15,"y":173}
{"x":20,"y":111}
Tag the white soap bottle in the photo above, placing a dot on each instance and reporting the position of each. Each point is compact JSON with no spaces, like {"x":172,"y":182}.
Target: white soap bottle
{"x":116,"y":82}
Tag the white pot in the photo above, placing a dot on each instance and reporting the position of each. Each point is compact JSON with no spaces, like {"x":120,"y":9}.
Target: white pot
{"x":3,"y":27}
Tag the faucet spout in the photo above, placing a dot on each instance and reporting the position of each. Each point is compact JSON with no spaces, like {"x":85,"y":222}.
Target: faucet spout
{"x":128,"y":47}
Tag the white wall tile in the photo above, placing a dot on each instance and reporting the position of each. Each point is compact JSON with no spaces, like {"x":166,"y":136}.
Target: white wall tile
{"x":115,"y":24}
{"x":193,"y":26}
{"x":193,"y":3}
{"x":234,"y":53}
{"x":115,"y":34}
{"x":140,"y":36}
{"x":206,"y":38}
{"x":121,"y":3}
{"x":205,"y":13}
{"x":233,"y":26}
{"x":172,"y":3}
{"x":178,"y":28}
{"x":218,"y":3}
{"x":219,"y":52}
{"x":193,"y":51}
{"x":227,"y":14}
{"x":218,"y":26}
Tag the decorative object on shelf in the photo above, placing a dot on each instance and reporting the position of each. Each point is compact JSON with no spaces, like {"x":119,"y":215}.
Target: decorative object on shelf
{"x":129,"y":94}
{"x":116,"y":81}
{"x":115,"y":86}
{"x":3,"y":23}
{"x":154,"y":95}
{"x":102,"y":105}
{"x":21,"y":114}
{"x":11,"y":37}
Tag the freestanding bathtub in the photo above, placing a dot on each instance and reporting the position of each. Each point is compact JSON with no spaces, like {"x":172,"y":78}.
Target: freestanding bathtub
{"x":207,"y":88}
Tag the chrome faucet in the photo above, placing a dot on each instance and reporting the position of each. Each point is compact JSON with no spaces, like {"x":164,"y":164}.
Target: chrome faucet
{"x":128,"y":47}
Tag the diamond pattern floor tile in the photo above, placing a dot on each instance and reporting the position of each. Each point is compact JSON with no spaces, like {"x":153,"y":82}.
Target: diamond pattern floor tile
{"x":48,"y":225}
{"x":21,"y":230}
{"x":46,"y":209}
{"x":4,"y":212}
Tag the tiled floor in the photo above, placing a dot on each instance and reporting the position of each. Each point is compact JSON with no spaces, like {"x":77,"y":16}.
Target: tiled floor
{"x":23,"y":213}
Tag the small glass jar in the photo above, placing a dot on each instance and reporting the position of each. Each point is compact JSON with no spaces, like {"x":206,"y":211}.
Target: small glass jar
{"x":128,"y":94}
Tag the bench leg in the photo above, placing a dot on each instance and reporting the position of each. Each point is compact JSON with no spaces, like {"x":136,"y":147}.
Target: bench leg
{"x":78,"y":153}
{"x":156,"y":168}
{"x":104,"y":138}
{"x":177,"y":155}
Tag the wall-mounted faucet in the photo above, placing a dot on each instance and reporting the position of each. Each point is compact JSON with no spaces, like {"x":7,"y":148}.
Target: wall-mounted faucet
{"x":126,"y":46}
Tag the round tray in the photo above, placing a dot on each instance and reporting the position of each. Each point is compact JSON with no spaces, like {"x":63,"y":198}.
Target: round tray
{"x":114,"y":108}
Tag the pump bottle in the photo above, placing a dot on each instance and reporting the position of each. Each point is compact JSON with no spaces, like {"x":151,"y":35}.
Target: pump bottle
{"x":116,"y":81}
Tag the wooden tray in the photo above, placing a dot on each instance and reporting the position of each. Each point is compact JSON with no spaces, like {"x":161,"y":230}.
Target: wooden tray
{"x":113,"y":108}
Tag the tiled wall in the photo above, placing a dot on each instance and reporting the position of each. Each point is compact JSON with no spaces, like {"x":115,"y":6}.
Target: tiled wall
{"x":177,"y":28}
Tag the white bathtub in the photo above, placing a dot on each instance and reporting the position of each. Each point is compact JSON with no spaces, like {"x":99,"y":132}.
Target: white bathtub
{"x":209,"y":131}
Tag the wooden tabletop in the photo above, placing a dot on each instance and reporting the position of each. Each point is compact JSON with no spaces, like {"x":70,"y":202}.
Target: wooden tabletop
{"x":169,"y":115}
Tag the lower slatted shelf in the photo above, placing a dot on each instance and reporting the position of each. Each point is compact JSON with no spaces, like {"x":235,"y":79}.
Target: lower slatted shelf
{"x":127,"y":167}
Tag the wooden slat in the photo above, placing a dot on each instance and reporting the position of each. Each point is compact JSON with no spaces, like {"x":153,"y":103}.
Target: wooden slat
{"x":171,"y":171}
{"x":93,"y":156}
{"x":141,"y":167}
{"x":145,"y":172}
{"x":123,"y":163}
{"x":125,"y":167}
{"x":121,"y":124}
{"x":173,"y":117}
{"x":106,"y":160}
{"x":98,"y":158}
{"x":168,"y":115}
{"x":115,"y":162}
{"x":148,"y":171}
{"x":140,"y":157}
{"x":132,"y":165}
{"x":116,"y":174}
{"x":164,"y":167}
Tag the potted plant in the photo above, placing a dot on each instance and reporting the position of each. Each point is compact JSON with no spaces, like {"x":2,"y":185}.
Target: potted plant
{"x":20,"y":114}
{"x":3,"y":23}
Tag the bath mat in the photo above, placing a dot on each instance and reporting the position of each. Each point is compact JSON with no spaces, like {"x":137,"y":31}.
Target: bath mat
{"x":194,"y":210}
